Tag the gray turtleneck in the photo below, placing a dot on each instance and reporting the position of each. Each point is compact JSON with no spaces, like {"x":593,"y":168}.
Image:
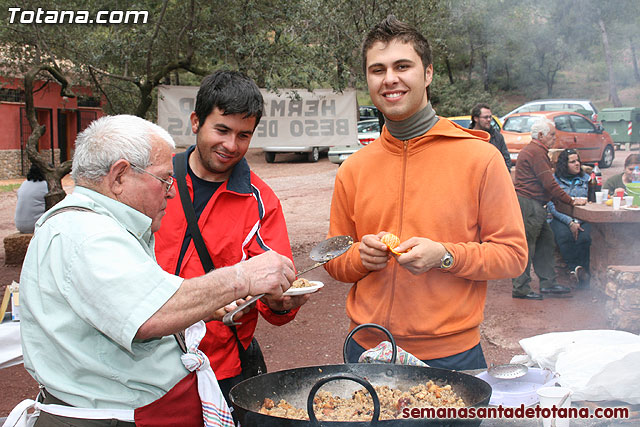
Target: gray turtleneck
{"x":414,"y":126}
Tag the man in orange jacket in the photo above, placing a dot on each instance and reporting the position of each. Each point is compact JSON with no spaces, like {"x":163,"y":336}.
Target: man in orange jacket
{"x":445,"y":192}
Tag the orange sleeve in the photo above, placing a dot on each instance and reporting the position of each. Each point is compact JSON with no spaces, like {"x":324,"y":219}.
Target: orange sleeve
{"x":502,"y":251}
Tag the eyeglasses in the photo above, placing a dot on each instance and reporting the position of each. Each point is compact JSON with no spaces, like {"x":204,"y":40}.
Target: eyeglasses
{"x":167,"y":182}
{"x":484,"y":117}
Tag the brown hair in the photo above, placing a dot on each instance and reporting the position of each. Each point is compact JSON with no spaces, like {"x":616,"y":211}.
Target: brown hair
{"x":391,"y":29}
{"x":632,"y":159}
{"x":475,"y":112}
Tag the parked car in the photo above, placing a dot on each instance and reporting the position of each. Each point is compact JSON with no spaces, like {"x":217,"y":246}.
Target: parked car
{"x":465,"y":121}
{"x":312,"y":153}
{"x":367,"y":112}
{"x":582,"y":106}
{"x":573,"y":130}
{"x":368,"y":131}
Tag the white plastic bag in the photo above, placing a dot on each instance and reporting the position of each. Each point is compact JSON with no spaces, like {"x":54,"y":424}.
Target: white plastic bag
{"x":596,"y":365}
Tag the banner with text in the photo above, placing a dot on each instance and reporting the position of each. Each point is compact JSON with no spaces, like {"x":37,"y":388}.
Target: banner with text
{"x":291,"y":118}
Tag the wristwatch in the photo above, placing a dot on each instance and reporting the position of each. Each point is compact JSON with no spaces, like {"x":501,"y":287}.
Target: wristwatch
{"x":446,"y":261}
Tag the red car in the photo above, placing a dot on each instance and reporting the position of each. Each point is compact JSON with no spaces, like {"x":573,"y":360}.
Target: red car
{"x":573,"y":130}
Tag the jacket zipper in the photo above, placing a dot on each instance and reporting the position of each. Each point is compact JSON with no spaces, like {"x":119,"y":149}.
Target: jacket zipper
{"x":403,"y":180}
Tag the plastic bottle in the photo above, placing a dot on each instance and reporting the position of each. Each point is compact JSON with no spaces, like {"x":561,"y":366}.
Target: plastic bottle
{"x":591,"y":188}
{"x":598,"y":173}
{"x":635,"y":175}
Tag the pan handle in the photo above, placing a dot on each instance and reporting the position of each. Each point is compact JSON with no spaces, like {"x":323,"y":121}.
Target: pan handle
{"x":344,"y":376}
{"x":394,"y":347}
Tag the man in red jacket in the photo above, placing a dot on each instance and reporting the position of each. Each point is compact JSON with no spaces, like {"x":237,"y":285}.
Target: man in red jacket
{"x":239,"y":215}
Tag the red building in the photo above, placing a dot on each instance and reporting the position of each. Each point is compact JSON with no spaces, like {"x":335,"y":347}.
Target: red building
{"x":63,"y":117}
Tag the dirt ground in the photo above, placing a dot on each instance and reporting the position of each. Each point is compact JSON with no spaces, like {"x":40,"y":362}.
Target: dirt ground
{"x":317,"y":334}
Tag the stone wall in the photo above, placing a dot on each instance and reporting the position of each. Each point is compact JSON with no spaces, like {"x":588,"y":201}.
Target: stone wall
{"x":623,"y":302}
{"x":10,"y":166}
{"x":15,"y":248}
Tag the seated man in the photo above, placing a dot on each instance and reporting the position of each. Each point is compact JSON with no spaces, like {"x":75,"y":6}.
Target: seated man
{"x":98,"y":311}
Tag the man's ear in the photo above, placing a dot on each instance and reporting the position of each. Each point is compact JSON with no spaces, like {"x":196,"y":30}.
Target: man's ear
{"x":195,"y":123}
{"x":117,"y":176}
{"x":428,"y":75}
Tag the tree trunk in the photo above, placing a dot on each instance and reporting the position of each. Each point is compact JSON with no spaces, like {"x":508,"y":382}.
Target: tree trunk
{"x":145,"y":100}
{"x":52,"y":174}
{"x":613,"y":91}
{"x":506,"y":71}
{"x":485,"y":71}
{"x":471,"y":53}
{"x":449,"y":70}
{"x":636,"y":73}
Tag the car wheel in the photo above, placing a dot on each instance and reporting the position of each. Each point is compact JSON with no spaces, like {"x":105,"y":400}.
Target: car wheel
{"x":314,"y":155}
{"x":269,"y":156}
{"x":607,"y":156}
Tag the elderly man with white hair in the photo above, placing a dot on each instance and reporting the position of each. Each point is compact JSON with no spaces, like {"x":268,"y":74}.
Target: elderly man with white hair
{"x":535,"y":187}
{"x":98,"y":313}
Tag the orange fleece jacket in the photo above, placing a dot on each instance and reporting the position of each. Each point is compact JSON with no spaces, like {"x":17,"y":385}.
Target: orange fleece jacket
{"x":449,"y":185}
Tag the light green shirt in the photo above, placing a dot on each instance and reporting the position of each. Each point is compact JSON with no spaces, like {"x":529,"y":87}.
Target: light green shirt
{"x":89,"y":281}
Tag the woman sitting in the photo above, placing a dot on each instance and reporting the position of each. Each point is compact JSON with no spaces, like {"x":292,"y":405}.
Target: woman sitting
{"x":619,"y":181}
{"x":30,"y":205}
{"x":573,"y":237}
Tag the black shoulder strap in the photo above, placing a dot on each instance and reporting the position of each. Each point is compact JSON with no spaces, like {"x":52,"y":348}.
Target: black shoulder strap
{"x":180,"y":169}
{"x":68,"y":208}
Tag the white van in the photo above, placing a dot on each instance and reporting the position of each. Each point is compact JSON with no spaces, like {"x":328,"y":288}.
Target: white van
{"x":582,"y":106}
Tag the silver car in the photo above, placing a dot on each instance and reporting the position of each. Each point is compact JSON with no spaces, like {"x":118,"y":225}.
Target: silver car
{"x":368,"y":131}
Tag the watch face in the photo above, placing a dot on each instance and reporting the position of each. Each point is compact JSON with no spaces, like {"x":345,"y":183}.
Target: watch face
{"x":447,"y":261}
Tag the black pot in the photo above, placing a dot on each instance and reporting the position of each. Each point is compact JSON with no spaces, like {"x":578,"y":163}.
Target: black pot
{"x":299,"y":386}
{"x":295,"y":386}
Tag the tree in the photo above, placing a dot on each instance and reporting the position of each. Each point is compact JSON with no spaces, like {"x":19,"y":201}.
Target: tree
{"x":613,"y":89}
{"x":147,"y":59}
{"x":634,"y":60}
{"x":52,"y":174}
{"x":577,"y":15}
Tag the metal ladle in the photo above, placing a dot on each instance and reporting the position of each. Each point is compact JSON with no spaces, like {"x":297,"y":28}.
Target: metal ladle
{"x":508,"y":371}
{"x":322,"y":253}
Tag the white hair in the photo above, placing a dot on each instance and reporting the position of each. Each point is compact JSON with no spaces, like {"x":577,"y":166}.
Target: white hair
{"x":543,"y":125}
{"x":111,"y":138}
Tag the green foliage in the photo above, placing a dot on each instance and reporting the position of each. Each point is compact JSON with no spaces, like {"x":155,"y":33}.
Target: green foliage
{"x":458,"y":99}
{"x":482,"y":49}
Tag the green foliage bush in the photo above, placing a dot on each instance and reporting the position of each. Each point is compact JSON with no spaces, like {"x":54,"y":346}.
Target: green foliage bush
{"x":458,"y":99}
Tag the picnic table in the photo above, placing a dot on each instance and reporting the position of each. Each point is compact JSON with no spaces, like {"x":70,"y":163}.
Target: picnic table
{"x":615,"y":237}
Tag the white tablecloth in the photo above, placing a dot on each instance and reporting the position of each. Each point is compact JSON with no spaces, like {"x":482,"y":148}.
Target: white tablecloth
{"x":10,"y":346}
